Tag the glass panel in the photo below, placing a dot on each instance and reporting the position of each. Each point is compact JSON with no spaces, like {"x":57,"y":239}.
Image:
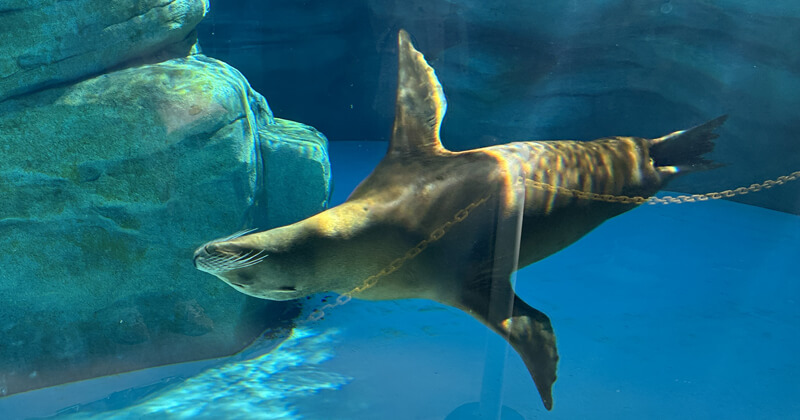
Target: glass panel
{"x":247,"y":209}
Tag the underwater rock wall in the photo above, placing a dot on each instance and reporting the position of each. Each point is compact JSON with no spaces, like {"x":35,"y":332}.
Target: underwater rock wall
{"x":46,"y":42}
{"x":520,"y":70}
{"x":108,"y":184}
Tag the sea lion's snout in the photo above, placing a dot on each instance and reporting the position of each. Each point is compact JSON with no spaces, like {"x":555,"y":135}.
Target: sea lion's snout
{"x":256,"y":264}
{"x":202,"y":254}
{"x":220,"y":257}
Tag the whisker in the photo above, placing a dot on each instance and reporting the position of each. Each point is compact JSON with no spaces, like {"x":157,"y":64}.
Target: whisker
{"x":251,"y":260}
{"x":235,"y":235}
{"x":216,"y":264}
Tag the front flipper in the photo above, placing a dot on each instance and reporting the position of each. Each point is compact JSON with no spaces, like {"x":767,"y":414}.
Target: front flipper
{"x":527,"y":330}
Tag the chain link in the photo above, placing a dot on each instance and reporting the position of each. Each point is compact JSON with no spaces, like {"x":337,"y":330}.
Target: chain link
{"x":677,"y":199}
{"x":395,"y":265}
{"x":462,"y":214}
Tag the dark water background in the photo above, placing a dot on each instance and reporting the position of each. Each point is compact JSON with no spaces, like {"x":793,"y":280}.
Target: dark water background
{"x":521,"y":70}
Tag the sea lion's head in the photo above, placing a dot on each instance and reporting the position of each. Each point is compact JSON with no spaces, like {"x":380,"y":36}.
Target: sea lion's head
{"x":265,"y":265}
{"x":323,"y":253}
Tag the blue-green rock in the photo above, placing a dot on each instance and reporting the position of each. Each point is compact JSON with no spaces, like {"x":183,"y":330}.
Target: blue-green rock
{"x":108,"y":185}
{"x":47,"y":42}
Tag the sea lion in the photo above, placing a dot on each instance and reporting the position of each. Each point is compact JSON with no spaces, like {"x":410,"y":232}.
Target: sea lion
{"x":461,"y":222}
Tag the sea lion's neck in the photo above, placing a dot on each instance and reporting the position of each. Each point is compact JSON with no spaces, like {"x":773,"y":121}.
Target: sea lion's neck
{"x":333,"y":243}
{"x":340,"y":222}
{"x":344,"y":221}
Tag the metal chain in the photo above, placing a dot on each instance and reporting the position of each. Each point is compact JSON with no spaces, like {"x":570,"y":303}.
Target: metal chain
{"x":395,"y":265}
{"x":609,"y":198}
{"x":462,"y":214}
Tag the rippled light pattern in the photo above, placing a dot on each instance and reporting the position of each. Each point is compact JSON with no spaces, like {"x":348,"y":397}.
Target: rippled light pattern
{"x":266,"y":387}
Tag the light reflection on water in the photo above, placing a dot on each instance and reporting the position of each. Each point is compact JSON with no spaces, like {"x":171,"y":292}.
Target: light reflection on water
{"x":269,"y":386}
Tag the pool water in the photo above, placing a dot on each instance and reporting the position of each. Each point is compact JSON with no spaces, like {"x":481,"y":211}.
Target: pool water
{"x":678,"y":311}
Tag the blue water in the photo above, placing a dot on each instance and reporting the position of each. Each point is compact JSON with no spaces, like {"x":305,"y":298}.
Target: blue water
{"x":679,"y":311}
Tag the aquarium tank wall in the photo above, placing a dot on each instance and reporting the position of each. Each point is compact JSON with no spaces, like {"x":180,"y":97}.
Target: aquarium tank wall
{"x":378,"y":209}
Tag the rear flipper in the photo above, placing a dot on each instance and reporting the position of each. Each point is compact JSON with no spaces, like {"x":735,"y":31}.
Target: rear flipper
{"x":682,"y":151}
{"x":529,"y":332}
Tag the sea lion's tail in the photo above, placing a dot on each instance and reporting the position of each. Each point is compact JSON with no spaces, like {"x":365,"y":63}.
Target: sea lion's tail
{"x":682,"y":151}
